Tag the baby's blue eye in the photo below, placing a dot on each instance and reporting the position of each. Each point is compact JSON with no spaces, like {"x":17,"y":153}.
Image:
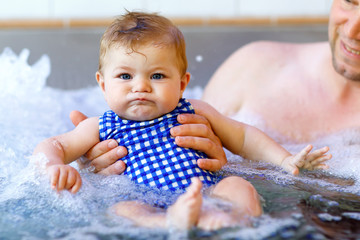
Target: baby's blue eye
{"x":125,"y":76}
{"x":157,"y":76}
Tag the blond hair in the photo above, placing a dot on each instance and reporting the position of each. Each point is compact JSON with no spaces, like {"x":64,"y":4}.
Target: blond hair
{"x":135,"y":29}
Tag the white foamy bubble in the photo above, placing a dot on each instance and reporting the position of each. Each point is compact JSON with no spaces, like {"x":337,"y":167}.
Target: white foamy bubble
{"x":18,"y":77}
{"x":265,"y":226}
{"x":328,"y":217}
{"x":352,"y":215}
{"x":199,"y":58}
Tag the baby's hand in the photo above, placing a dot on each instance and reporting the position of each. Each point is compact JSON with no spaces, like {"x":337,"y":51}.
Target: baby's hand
{"x":64,"y":177}
{"x":306,"y":160}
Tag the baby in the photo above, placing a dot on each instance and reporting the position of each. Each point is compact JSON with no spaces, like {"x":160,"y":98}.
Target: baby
{"x":142,"y":73}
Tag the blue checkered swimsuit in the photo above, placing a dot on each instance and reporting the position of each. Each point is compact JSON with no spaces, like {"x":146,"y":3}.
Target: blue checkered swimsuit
{"x":153,"y":157}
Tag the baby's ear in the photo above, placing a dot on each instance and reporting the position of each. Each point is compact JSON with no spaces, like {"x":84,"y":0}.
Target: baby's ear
{"x":100,"y":80}
{"x":184,"y":82}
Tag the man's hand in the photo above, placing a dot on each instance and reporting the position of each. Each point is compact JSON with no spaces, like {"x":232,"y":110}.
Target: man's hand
{"x":196,"y":133}
{"x":104,"y":155}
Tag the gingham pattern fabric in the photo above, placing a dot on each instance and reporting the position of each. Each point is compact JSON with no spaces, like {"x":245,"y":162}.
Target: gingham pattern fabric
{"x":153,"y":157}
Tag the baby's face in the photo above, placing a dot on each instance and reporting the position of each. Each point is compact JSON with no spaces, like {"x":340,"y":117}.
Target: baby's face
{"x":142,"y":85}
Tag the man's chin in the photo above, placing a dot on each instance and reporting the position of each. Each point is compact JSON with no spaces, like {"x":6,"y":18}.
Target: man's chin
{"x":348,"y":72}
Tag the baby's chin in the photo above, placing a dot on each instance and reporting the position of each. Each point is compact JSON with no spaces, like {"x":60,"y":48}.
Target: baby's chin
{"x":144,"y":116}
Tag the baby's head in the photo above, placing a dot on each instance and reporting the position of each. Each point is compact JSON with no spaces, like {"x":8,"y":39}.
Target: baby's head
{"x":136,"y":29}
{"x":142,"y":66}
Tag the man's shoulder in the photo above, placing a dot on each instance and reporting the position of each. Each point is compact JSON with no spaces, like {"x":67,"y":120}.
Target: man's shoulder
{"x":259,"y":46}
{"x":269,"y":48}
{"x":275,"y":52}
{"x":259,"y":52}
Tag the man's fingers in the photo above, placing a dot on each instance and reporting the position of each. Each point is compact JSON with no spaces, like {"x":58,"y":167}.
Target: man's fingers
{"x":212,"y":149}
{"x":192,"y":119}
{"x":77,"y":117}
{"x":198,"y":137}
{"x":212,"y":165}
{"x":195,"y":132}
{"x":115,"y":169}
{"x":197,"y":143}
{"x":198,"y":130}
{"x":107,"y":159}
{"x":193,"y":125}
{"x":101,"y":148}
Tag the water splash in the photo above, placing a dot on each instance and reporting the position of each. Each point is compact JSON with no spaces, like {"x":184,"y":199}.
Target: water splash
{"x":18,"y":77}
{"x":31,"y":111}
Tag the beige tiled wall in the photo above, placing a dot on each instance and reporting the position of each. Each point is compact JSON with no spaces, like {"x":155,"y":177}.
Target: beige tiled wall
{"x":284,"y":7}
{"x":22,"y":9}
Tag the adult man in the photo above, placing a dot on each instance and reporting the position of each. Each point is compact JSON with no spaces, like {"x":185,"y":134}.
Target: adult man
{"x":302,"y":91}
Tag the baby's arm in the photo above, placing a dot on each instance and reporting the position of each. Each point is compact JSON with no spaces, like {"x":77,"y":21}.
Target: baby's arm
{"x":249,"y":142}
{"x":63,"y":149}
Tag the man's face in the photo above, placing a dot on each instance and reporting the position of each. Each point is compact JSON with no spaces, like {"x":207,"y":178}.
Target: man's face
{"x":344,"y":37}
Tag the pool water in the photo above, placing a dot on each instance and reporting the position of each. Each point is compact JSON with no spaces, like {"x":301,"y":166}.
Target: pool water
{"x":314,"y":205}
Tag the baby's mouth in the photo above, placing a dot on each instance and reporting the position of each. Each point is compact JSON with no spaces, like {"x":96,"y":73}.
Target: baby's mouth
{"x":141,"y":101}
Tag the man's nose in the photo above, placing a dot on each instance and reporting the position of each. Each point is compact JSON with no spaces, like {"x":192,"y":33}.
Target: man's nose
{"x":352,"y":27}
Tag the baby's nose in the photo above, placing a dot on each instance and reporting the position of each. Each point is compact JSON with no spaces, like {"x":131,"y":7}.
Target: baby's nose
{"x":142,"y":85}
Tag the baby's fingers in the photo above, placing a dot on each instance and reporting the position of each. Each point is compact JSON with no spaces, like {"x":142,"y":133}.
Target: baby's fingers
{"x":76,"y":186}
{"x":321,"y":167}
{"x":73,"y":182}
{"x":64,"y":177}
{"x":299,"y":159}
{"x":62,"y":180}
{"x":318,"y":162}
{"x":317,"y":153}
{"x":54,"y":177}
{"x":321,"y":159}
